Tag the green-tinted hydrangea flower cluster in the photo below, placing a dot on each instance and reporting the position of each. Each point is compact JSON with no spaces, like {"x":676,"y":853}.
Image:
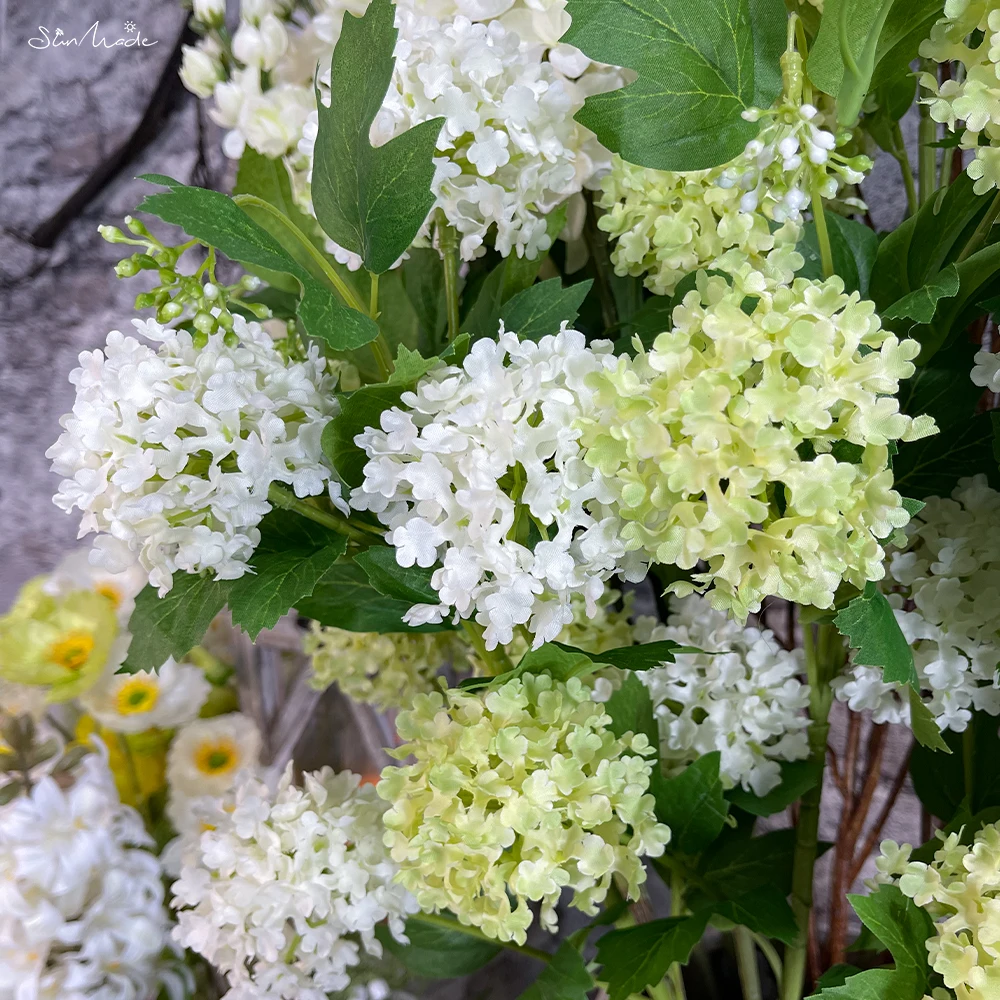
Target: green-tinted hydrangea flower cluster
{"x":516,"y":794}
{"x":384,"y":670}
{"x":961,"y":891}
{"x":757,"y":440}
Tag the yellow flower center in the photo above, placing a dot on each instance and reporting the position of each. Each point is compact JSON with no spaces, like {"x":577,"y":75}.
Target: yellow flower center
{"x":137,"y":695}
{"x":216,"y":756}
{"x":111,"y":592}
{"x":72,"y":652}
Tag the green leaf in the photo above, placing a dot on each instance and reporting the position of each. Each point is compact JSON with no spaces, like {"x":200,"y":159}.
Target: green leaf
{"x":651,"y":319}
{"x":837,"y":975}
{"x":293,"y":556}
{"x":641,"y":656}
{"x":345,"y":599}
{"x":362,"y":408}
{"x":423,"y":281}
{"x":564,"y":978}
{"x":734,"y":866}
{"x":540,"y":309}
{"x":700,"y":64}
{"x":871,"y":628}
{"x":874,"y":984}
{"x":218,"y":221}
{"x":483,"y":319}
{"x":638,"y":957}
{"x":402,"y":583}
{"x":904,"y":928}
{"x":925,"y":730}
{"x":171,"y":625}
{"x":920,"y":305}
{"x":797,"y":777}
{"x":854,"y":247}
{"x":562,"y":662}
{"x":631,"y":710}
{"x":520,"y":272}
{"x":764,"y":910}
{"x":372,"y":201}
{"x":437,"y":952}
{"x":693,"y":805}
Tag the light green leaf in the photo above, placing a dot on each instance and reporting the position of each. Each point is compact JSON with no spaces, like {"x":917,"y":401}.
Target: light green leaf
{"x":372,"y":201}
{"x":641,"y":656}
{"x":872,"y":630}
{"x":638,"y":957}
{"x":345,"y":599}
{"x":700,"y":64}
{"x":564,"y":978}
{"x":437,"y":952}
{"x":221,"y":223}
{"x":874,"y":984}
{"x":540,"y":309}
{"x":168,"y":626}
{"x":925,"y":730}
{"x":402,"y":583}
{"x":693,"y":805}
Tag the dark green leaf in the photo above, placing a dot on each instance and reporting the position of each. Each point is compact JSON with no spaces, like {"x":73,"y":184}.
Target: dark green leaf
{"x":520,"y":272}
{"x":293,"y":556}
{"x":692,"y":804}
{"x":370,"y":200}
{"x":854,"y":248}
{"x":172,"y":625}
{"x":871,"y":628}
{"x":700,"y":65}
{"x":540,"y":309}
{"x":483,"y":319}
{"x":921,"y":304}
{"x":631,"y":710}
{"x":219,"y":222}
{"x":564,"y":978}
{"x":764,"y":910}
{"x":345,"y":599}
{"x":362,"y":408}
{"x":797,"y":777}
{"x":423,"y":280}
{"x":638,"y":957}
{"x":402,"y":583}
{"x":734,"y":866}
{"x":437,"y":952}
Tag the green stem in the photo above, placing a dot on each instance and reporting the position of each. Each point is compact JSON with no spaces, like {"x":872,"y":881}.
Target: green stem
{"x":336,"y":281}
{"x":380,"y":346}
{"x":436,"y":920}
{"x":771,"y":954}
{"x":746,"y":962}
{"x":133,"y":776}
{"x":982,"y":232}
{"x":822,"y":234}
{"x":677,"y":909}
{"x":361,"y":533}
{"x":495,"y":660}
{"x":902,"y":158}
{"x":824,"y":658}
{"x":448,"y":244}
{"x":926,"y":134}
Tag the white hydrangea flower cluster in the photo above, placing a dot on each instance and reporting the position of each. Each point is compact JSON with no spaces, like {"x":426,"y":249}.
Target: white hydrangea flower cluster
{"x":277,"y":892}
{"x":968,"y":35}
{"x":698,"y":433}
{"x":950,"y":571}
{"x":516,"y":794}
{"x":741,"y":696}
{"x":83,"y":913}
{"x":510,"y":150}
{"x":484,"y":459}
{"x":960,"y":889}
{"x":170,"y":452}
{"x":381,"y":669}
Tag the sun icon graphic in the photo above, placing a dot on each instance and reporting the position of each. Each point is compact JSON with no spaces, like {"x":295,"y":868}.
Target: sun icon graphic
{"x":130,"y":25}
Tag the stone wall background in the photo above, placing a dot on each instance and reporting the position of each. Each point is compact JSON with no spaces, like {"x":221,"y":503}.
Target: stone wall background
{"x":76,"y":127}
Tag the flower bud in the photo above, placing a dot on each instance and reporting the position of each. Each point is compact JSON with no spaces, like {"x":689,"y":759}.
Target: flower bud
{"x":127,"y":268}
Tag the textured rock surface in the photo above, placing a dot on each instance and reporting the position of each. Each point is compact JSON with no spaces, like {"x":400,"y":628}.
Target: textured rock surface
{"x":65,"y":116}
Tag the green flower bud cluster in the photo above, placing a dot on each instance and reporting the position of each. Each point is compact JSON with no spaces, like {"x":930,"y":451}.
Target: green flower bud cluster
{"x":516,"y":794}
{"x":198,"y":298}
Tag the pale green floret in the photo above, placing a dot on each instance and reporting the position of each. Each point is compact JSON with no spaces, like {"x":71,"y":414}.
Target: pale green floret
{"x":516,"y":794}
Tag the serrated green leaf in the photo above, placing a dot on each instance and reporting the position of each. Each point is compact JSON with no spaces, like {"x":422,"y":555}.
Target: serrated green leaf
{"x":874,"y":984}
{"x":925,"y":729}
{"x":218,"y":221}
{"x":735,"y":866}
{"x":172,"y":625}
{"x":870,"y":626}
{"x":700,"y":64}
{"x":797,"y":777}
{"x":540,"y":309}
{"x":921,"y":304}
{"x":345,"y":599}
{"x":764,"y":910}
{"x":293,"y":556}
{"x":641,"y":656}
{"x":372,"y":201}
{"x":410,"y":366}
{"x":402,"y":583}
{"x":637,"y":957}
{"x":631,"y":710}
{"x":693,"y":805}
{"x":437,"y":952}
{"x":564,"y":978}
